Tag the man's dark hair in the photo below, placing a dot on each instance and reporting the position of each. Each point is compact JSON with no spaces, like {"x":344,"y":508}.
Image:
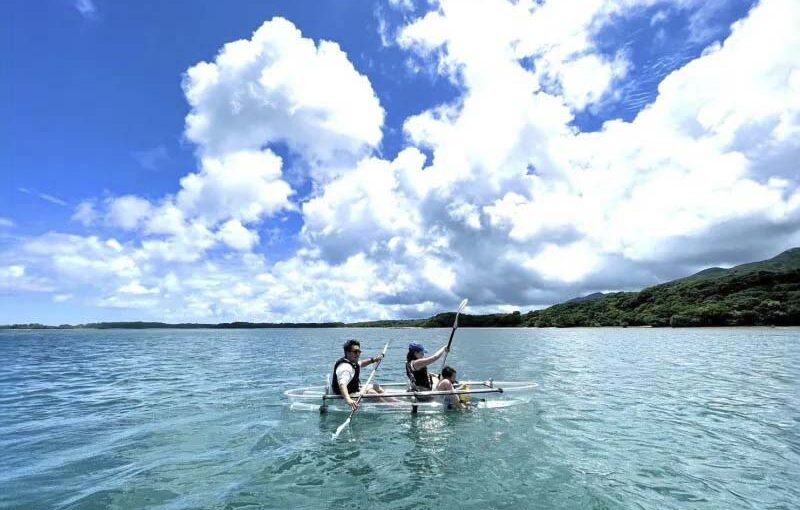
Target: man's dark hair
{"x":349,"y":345}
{"x":448,"y":371}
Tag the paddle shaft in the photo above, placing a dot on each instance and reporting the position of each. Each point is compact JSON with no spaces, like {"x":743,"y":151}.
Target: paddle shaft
{"x":453,"y":332}
{"x":447,"y":351}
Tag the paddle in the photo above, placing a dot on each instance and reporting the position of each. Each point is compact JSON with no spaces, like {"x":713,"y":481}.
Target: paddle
{"x":453,"y":332}
{"x":366,"y":385}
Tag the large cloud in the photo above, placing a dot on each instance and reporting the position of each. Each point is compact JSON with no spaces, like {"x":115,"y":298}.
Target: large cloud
{"x":275,"y":88}
{"x":498,"y":196}
{"x":281,"y":87}
{"x":526,"y":210}
{"x":714,"y":148}
{"x":243,"y":185}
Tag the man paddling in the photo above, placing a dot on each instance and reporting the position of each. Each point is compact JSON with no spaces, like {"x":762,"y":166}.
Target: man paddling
{"x":346,"y":372}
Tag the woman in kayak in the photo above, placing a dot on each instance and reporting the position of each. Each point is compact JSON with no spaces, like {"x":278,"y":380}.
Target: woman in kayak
{"x":417,"y":366}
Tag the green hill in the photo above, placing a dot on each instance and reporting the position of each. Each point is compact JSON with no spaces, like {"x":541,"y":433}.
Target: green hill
{"x":758,"y":293}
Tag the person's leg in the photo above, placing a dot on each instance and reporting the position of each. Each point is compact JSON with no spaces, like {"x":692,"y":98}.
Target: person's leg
{"x":376,"y":389}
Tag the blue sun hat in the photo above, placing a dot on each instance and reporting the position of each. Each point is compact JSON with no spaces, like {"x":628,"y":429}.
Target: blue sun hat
{"x":415,"y":347}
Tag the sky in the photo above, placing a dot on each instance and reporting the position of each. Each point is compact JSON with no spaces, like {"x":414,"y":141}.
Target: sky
{"x":199,"y":160}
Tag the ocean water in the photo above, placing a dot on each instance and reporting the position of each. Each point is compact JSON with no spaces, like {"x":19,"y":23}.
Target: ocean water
{"x":622,"y":418}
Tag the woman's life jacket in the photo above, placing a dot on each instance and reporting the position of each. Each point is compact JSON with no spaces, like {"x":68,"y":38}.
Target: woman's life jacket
{"x":419,"y":379}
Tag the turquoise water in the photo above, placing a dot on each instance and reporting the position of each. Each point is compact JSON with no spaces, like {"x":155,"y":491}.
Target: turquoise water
{"x":622,"y":418}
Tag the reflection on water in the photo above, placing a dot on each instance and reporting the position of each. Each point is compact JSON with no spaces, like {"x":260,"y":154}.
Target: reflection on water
{"x":428,"y":438}
{"x":196,"y":419}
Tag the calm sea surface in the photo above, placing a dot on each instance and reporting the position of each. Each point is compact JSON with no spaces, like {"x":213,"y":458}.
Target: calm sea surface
{"x":622,"y":418}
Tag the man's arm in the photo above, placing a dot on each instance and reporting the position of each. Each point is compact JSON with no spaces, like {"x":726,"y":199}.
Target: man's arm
{"x":371,"y":360}
{"x":347,"y":398}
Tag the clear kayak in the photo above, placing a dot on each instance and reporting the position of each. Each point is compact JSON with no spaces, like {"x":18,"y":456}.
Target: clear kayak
{"x":397,"y":398}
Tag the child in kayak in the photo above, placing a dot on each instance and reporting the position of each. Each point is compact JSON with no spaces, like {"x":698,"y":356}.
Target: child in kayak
{"x":448,"y":383}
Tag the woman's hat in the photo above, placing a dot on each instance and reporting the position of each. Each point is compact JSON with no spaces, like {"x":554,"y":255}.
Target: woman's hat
{"x":415,"y":347}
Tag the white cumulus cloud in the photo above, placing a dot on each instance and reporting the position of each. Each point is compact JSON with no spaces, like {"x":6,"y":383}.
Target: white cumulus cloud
{"x":281,"y":87}
{"x":235,"y":235}
{"x":127,"y":212}
{"x":243,"y":185}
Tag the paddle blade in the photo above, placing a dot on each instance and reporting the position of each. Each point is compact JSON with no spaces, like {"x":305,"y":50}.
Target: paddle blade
{"x":341,"y":428}
{"x":460,"y":309}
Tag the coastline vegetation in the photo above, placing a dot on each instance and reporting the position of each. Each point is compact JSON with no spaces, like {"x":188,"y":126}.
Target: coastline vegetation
{"x":765,"y":293}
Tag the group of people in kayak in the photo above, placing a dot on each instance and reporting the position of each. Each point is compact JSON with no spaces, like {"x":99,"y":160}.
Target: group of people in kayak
{"x":346,"y":371}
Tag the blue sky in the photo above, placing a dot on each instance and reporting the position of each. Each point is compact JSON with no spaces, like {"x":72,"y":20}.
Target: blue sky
{"x":358,"y":160}
{"x":114,"y":123}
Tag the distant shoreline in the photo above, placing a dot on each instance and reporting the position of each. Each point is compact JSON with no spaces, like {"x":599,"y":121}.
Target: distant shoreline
{"x":757,"y":294}
{"x":224,"y":326}
{"x":164,"y":325}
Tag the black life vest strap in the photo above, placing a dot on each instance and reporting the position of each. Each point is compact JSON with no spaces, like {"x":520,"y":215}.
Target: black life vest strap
{"x":355,"y":383}
{"x":416,"y":378}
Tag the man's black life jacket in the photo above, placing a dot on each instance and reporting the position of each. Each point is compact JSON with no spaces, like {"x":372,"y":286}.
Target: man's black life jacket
{"x":420,"y":381}
{"x":354,"y":384}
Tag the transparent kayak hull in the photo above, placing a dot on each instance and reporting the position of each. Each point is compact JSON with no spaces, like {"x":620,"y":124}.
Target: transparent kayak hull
{"x":397,"y":399}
